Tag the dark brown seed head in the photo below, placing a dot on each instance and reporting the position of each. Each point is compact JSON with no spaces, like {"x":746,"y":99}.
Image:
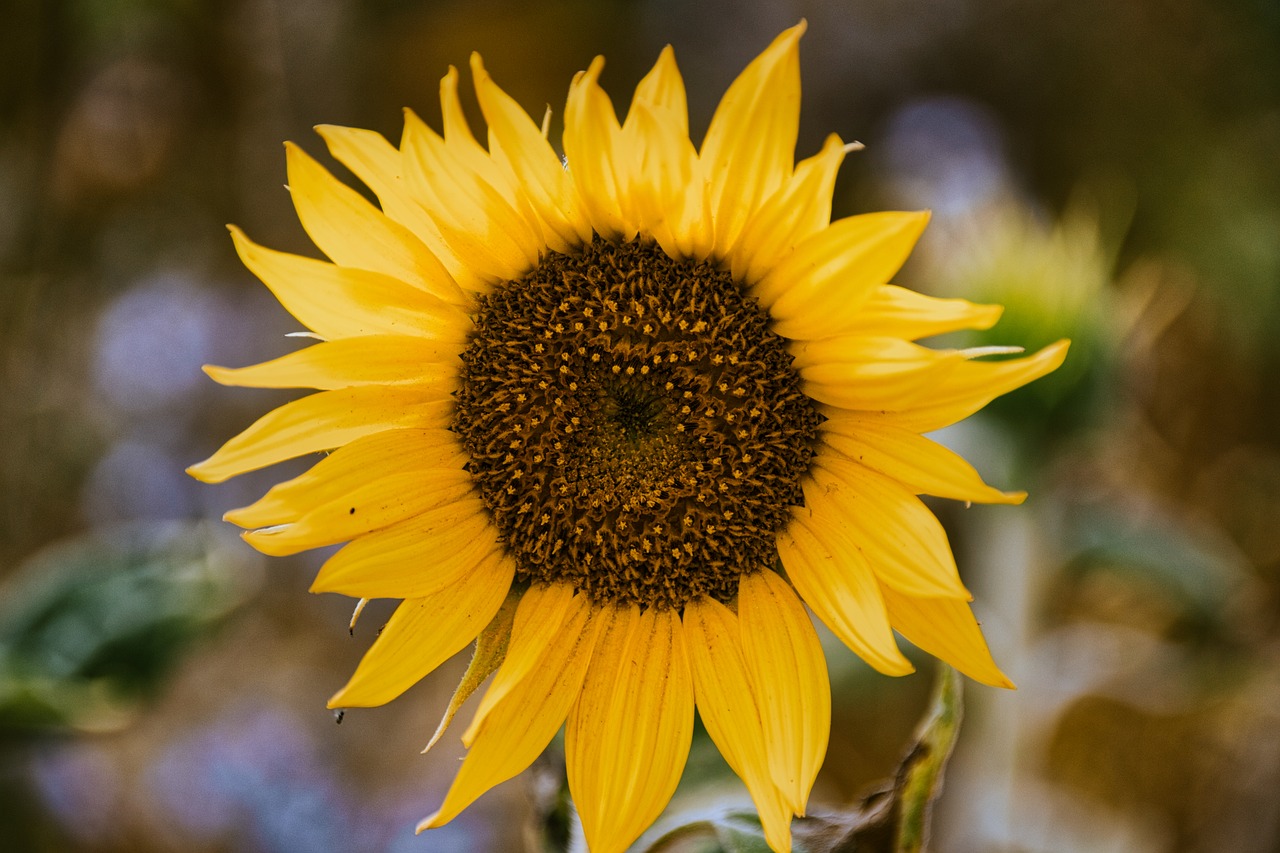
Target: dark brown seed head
{"x":634,"y":427}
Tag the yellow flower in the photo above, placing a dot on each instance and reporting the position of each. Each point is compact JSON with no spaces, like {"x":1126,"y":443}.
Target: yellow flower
{"x":652,"y":398}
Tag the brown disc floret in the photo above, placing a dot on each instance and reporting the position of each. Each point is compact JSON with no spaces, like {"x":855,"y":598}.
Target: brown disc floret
{"x":635,"y":428}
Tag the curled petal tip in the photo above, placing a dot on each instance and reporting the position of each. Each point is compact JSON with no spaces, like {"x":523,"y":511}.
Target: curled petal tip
{"x":339,"y":699}
{"x":793,"y":33}
{"x":428,"y":822}
{"x":216,"y":373}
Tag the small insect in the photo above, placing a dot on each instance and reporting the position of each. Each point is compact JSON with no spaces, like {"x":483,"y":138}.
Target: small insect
{"x":338,"y":715}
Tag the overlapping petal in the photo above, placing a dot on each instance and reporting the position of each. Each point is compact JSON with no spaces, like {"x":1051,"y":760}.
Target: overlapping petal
{"x":594,"y":150}
{"x":371,"y":457}
{"x":517,"y":143}
{"x":351,"y":362}
{"x":799,"y":209}
{"x":897,"y":312}
{"x":666,"y":187}
{"x":354,"y":233}
{"x":923,"y":466}
{"x":828,"y":569}
{"x":322,"y":422}
{"x":343,"y":302}
{"x":424,"y":633}
{"x":543,"y":612}
{"x":379,"y":164}
{"x":903,"y":541}
{"x":875,"y":374}
{"x":417,"y":556}
{"x":521,"y":724}
{"x":817,"y":290}
{"x":374,"y":505}
{"x":628,"y":736}
{"x":785,"y":660}
{"x":729,"y":706}
{"x":749,"y":149}
{"x":475,"y":218}
{"x":972,"y":385}
{"x":946,"y":629}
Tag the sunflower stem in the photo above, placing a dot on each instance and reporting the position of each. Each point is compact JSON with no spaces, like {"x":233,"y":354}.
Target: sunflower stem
{"x":920,"y":777}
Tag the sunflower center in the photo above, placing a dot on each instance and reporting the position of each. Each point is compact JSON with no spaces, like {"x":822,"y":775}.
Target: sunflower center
{"x":634,"y":427}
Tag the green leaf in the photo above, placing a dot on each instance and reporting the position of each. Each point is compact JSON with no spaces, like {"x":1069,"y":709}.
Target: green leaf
{"x":91,"y":627}
{"x":723,"y":832}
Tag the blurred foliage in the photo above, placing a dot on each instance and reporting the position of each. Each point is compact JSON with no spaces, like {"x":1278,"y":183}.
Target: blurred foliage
{"x":1186,"y":585}
{"x":92,"y":627}
{"x":1054,"y":281}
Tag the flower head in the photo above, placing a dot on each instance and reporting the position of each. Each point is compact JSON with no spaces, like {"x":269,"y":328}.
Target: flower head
{"x":648,"y":397}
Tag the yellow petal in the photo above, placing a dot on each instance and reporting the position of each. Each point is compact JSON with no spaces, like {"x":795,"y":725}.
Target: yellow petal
{"x":749,"y":150}
{"x":818,"y":289}
{"x":664,"y":180}
{"x":347,"y":468}
{"x":457,"y":130}
{"x":522,"y":724}
{"x":379,"y":164}
{"x":667,"y":196}
{"x":424,"y":633}
{"x":972,"y":385}
{"x":628,"y":736}
{"x":729,"y":708}
{"x":921,"y":465}
{"x":897,"y":312}
{"x":341,"y":302}
{"x":490,"y":652}
{"x":662,"y":94}
{"x":517,"y":142}
{"x":877,"y":374}
{"x":593,"y":149}
{"x":354,"y":233}
{"x":416,"y":556}
{"x":322,"y":422}
{"x":799,"y":209}
{"x":350,"y":362}
{"x":833,"y":578}
{"x":789,"y":671}
{"x":472,"y":215}
{"x":902,"y":540}
{"x":374,"y":505}
{"x":543,"y":612}
{"x":489,"y":173}
{"x":946,"y":629}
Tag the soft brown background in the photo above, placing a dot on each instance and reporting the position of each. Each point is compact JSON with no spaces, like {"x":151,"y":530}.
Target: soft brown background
{"x":1108,"y":170}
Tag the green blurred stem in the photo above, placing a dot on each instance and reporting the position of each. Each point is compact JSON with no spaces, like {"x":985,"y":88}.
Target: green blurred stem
{"x":920,"y":777}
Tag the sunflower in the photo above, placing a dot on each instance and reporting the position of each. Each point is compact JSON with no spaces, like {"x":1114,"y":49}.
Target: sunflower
{"x":624,"y":414}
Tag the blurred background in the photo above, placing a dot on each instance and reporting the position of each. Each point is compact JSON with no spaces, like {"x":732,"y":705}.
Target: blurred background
{"x":1107,"y":170}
